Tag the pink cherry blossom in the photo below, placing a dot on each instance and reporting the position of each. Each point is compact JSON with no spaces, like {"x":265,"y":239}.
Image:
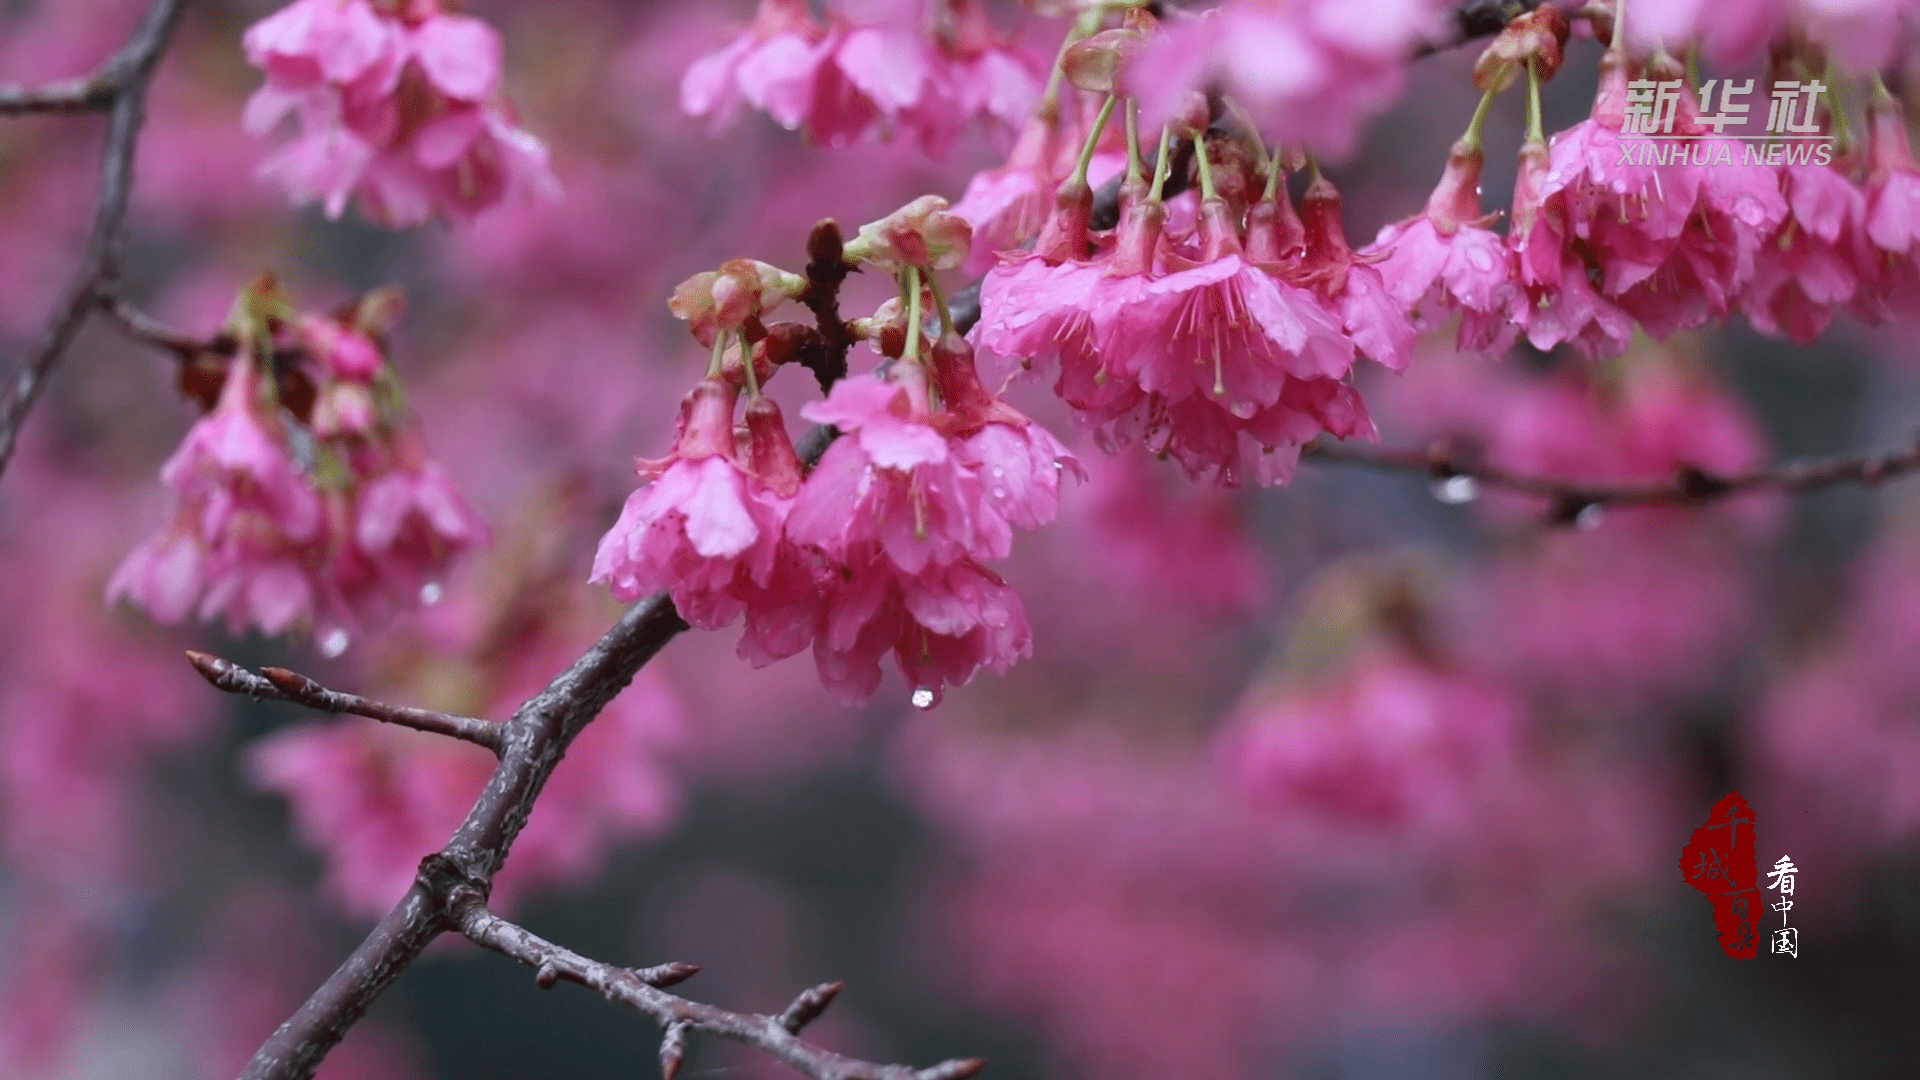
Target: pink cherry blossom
{"x":1889,"y":264}
{"x":1447,"y":254}
{"x":699,"y":527}
{"x":1814,"y":266}
{"x":247,"y":523}
{"x":894,"y":480}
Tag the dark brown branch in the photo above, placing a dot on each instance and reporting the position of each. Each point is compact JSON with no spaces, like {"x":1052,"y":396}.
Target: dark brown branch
{"x":127,"y":74}
{"x":1477,"y":19}
{"x":279,"y":684}
{"x":1688,"y":486}
{"x":775,"y":1035}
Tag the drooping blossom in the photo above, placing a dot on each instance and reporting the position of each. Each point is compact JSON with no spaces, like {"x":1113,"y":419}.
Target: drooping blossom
{"x":703,"y":529}
{"x":247,"y":525}
{"x":908,"y":519}
{"x":399,"y":106}
{"x":1890,"y":266}
{"x":1447,"y":254}
{"x":305,"y":499}
{"x":1814,"y":266}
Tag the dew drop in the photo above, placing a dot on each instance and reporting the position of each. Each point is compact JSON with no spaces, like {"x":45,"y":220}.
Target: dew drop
{"x":999,"y":493}
{"x":334,"y":643}
{"x":1243,"y":409}
{"x":431,"y":592}
{"x":998,"y":471}
{"x":922,"y":698}
{"x":1457,"y":490}
{"x":1590,"y":517}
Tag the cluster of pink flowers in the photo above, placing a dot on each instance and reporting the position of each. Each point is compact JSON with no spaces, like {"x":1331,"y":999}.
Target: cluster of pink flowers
{"x":1611,"y":231}
{"x":1223,"y":339}
{"x":926,"y":68}
{"x":881,"y":546}
{"x":1860,"y":33}
{"x":305,"y":498}
{"x":399,"y":104}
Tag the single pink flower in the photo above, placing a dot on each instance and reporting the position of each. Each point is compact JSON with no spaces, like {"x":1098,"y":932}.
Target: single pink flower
{"x":1447,"y":254}
{"x":697,"y":527}
{"x":894,"y":479}
{"x":1890,"y":266}
{"x":1812,"y":268}
{"x":1375,"y":320}
{"x":248,"y":522}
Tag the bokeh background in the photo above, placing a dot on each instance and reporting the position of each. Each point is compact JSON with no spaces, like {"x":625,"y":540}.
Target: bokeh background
{"x":1353,"y":779}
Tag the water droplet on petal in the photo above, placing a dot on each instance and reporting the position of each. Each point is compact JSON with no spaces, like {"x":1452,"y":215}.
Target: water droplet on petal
{"x":922,"y":698}
{"x":431,"y":592}
{"x":333,"y":643}
{"x":1457,"y":490}
{"x":999,"y":493}
{"x":1590,"y":516}
{"x":1243,"y":409}
{"x":998,"y":471}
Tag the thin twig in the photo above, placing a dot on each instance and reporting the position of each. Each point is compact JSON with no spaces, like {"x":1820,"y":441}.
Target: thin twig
{"x":279,"y":684}
{"x":128,"y":74}
{"x":147,"y":330}
{"x":90,"y":93}
{"x":1687,"y":486}
{"x":624,"y":986}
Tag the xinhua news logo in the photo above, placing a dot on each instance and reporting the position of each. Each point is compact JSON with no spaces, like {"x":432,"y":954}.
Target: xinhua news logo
{"x":1791,"y":136}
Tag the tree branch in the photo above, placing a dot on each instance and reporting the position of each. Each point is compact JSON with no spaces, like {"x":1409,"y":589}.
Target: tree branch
{"x":279,"y":684}
{"x":776,"y":1035}
{"x":125,"y":79}
{"x":1688,"y":486}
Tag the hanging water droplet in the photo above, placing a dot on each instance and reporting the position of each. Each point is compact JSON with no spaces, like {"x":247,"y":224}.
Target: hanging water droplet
{"x":1590,"y":516}
{"x":333,"y":643}
{"x":1457,"y":490}
{"x":1243,"y":409}
{"x":430,"y":593}
{"x":999,"y":493}
{"x":998,"y":471}
{"x":922,"y":698}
